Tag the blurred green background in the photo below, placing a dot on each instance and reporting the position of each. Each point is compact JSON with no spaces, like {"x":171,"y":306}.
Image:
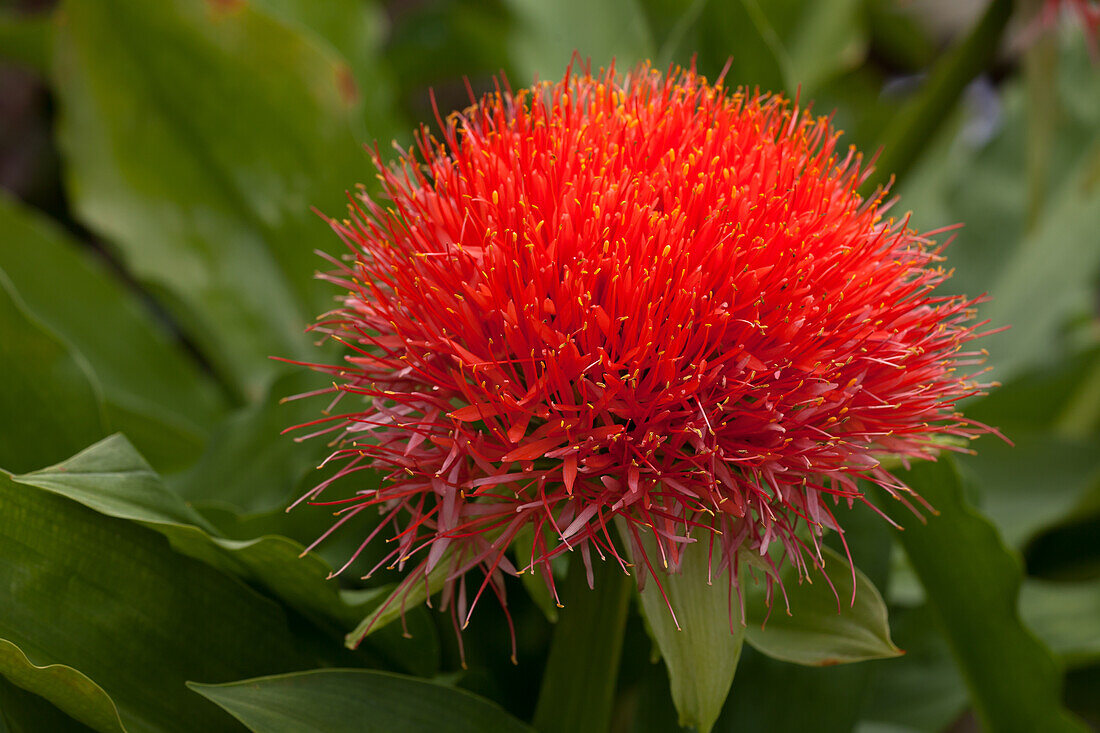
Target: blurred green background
{"x":159,"y":161}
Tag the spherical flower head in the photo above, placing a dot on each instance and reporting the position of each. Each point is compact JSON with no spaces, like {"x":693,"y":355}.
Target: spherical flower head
{"x":638,"y":300}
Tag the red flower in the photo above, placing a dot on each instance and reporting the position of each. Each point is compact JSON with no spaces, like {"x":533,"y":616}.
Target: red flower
{"x":644,"y":298}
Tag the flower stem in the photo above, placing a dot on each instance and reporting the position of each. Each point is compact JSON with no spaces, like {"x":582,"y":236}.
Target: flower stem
{"x":578,"y":684}
{"x":911,"y":130}
{"x":25,"y":39}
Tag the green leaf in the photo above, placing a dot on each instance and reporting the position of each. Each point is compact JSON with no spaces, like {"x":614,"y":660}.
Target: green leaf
{"x":397,"y":602}
{"x":830,"y":698}
{"x":276,"y":465}
{"x":75,"y":694}
{"x":51,"y":405}
{"x":357,"y":31}
{"x":148,"y":380}
{"x":246,"y":122}
{"x":602,"y":31}
{"x":922,"y":690}
{"x":356,"y":701}
{"x":702,"y":645}
{"x":25,"y":712}
{"x":824,"y":626}
{"x":1008,"y":475}
{"x":302,"y":524}
{"x":829,"y":37}
{"x":1066,"y":616}
{"x":972,"y":583}
{"x":713,"y":34}
{"x":984,"y":184}
{"x":1036,"y":292}
{"x":113,"y":479}
{"x":111,"y":599}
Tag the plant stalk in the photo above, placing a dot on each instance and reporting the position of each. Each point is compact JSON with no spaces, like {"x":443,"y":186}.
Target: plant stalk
{"x":578,"y":684}
{"x":915,"y":127}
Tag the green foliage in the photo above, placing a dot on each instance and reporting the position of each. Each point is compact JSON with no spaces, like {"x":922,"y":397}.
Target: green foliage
{"x":829,"y":621}
{"x":152,"y":581}
{"x":113,"y":600}
{"x":547,"y":34}
{"x":143,"y":372}
{"x":356,"y":700}
{"x":702,"y":643}
{"x":48,"y":388}
{"x":69,"y":689}
{"x":975,"y":604}
{"x":579,"y":698}
{"x":252,"y":123}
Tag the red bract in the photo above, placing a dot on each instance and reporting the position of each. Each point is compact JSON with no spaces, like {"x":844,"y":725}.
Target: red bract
{"x":642,"y":298}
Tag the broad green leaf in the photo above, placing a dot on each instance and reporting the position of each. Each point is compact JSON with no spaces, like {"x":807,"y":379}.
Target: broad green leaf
{"x":356,"y":701}
{"x":712,"y":34}
{"x":922,"y":690}
{"x":153,"y":389}
{"x":113,"y":479}
{"x":980,"y":179}
{"x":1037,"y":292}
{"x":51,"y":404}
{"x":1044,"y":399}
{"x":824,"y":626}
{"x":136,"y":360}
{"x":972,"y":582}
{"x":830,"y":698}
{"x":396,"y":602}
{"x":1032,"y":485}
{"x":828,"y":38}
{"x":303,"y":524}
{"x":702,"y":645}
{"x":111,"y":599}
{"x":170,"y":445}
{"x":75,"y":694}
{"x":25,"y":712}
{"x":602,"y":31}
{"x":249,"y":464}
{"x":1066,"y":616}
{"x":245,"y":123}
{"x":356,"y":29}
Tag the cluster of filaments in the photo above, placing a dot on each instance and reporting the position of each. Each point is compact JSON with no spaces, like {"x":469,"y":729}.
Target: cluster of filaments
{"x":643,"y":298}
